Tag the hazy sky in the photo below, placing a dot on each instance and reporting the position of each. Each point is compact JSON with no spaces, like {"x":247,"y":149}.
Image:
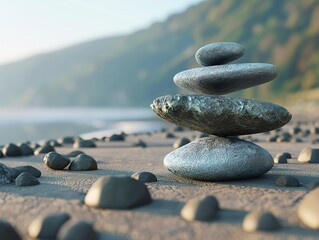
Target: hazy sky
{"x":28,"y":27}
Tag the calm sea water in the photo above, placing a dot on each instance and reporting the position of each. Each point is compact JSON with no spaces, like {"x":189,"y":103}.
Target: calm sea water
{"x":18,"y":125}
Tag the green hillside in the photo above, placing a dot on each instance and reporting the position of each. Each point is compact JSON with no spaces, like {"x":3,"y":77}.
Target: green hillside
{"x":132,"y":70}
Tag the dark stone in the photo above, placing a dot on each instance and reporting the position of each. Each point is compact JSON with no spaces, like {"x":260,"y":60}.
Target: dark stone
{"x":260,"y":221}
{"x":223,"y":79}
{"x":144,"y":177}
{"x":202,"y":209}
{"x":26,"y":150}
{"x":16,"y":171}
{"x":179,"y":129}
{"x":287,"y":181}
{"x":7,"y":232}
{"x":66,"y":140}
{"x":83,"y":162}
{"x":273,"y":138}
{"x":117,"y":137}
{"x":280,"y":158}
{"x":56,"y":161}
{"x":308,"y":210}
{"x":53,"y":143}
{"x":26,"y":179}
{"x":314,"y":130}
{"x":294,"y":130}
{"x":170,"y":135}
{"x":210,"y":113}
{"x":11,"y":150}
{"x":5,"y":174}
{"x":75,"y":153}
{"x":44,"y":149}
{"x":140,"y":143}
{"x":312,"y":185}
{"x":117,"y":193}
{"x":287,"y":155}
{"x":78,"y":231}
{"x":181,"y":142}
{"x":219,"y":53}
{"x":47,"y":227}
{"x":84,"y":144}
{"x":202,"y":135}
{"x":309,"y":155}
{"x":1,"y":154}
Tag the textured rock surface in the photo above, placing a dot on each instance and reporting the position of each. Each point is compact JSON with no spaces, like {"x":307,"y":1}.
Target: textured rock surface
{"x":117,"y":193}
{"x":47,"y":227}
{"x":5,"y":174}
{"x":144,"y":177}
{"x":308,"y":210}
{"x":218,"y":158}
{"x":223,"y":79}
{"x":78,"y":231}
{"x":26,"y":179}
{"x":221,"y":116}
{"x":83,"y":162}
{"x":260,"y":221}
{"x":309,"y":155}
{"x":203,"y":209}
{"x":16,"y":171}
{"x":219,"y":53}
{"x":56,"y":161}
{"x":7,"y":232}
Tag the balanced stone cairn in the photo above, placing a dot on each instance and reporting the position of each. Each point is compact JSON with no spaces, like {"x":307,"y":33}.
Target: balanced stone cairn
{"x":221,"y":156}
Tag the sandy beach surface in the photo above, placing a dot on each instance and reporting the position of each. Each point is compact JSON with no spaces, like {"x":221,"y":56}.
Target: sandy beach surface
{"x":63,"y":191}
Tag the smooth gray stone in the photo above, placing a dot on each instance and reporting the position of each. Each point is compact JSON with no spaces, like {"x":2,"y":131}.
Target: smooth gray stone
{"x":202,"y":209}
{"x":84,"y":144}
{"x":47,"y":227}
{"x":308,"y":210}
{"x":260,"y":221}
{"x":181,"y":142}
{"x":26,"y":150}
{"x":144,"y":177}
{"x":117,"y":193}
{"x":26,"y":179}
{"x":7,"y":232}
{"x":66,"y":140}
{"x":309,"y":155}
{"x":218,"y":159}
{"x":287,"y":181}
{"x":44,"y":149}
{"x":74,"y":153}
{"x":56,"y":161}
{"x":11,"y":150}
{"x":280,"y":158}
{"x":16,"y":171}
{"x":223,"y":79}
{"x":5,"y":174}
{"x":83,"y":162}
{"x":219,"y":53}
{"x":221,"y":116}
{"x":78,"y":231}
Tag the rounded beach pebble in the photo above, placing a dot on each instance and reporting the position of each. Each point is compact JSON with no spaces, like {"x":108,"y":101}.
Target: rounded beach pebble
{"x":47,"y":227}
{"x":260,"y":221}
{"x":75,"y":153}
{"x":287,"y":181}
{"x":5,"y":174}
{"x":44,"y":149}
{"x":11,"y":150}
{"x":16,"y":171}
{"x":117,"y":137}
{"x":26,"y":150}
{"x":83,"y":162}
{"x":79,"y":231}
{"x":219,"y":53}
{"x":280,"y":158}
{"x":181,"y":142}
{"x":26,"y":179}
{"x":144,"y":177}
{"x":202,"y":209}
{"x":84,"y":144}
{"x":7,"y":232}
{"x":309,"y":155}
{"x":308,"y":210}
{"x":117,"y":193}
{"x":56,"y":161}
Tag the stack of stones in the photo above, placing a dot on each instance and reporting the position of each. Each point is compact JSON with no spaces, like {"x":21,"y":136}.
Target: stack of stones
{"x":221,"y":156}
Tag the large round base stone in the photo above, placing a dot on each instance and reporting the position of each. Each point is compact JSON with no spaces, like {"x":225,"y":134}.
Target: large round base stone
{"x":219,"y":159}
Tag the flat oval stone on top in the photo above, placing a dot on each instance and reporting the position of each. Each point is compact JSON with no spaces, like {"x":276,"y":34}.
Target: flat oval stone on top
{"x":223,"y":79}
{"x":219,"y":53}
{"x":219,"y":159}
{"x":221,"y":116}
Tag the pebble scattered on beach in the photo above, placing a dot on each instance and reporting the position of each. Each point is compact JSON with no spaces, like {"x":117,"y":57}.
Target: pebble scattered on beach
{"x":11,"y":150}
{"x":144,"y":177}
{"x":84,"y":144}
{"x":83,"y":162}
{"x":260,"y":221}
{"x":78,"y":231}
{"x":309,"y":155}
{"x":181,"y":142}
{"x":44,"y":149}
{"x":287,"y":181}
{"x":280,"y":158}
{"x":16,"y":171}
{"x":7,"y":231}
{"x":26,"y":179}
{"x":308,"y":210}
{"x":56,"y":161}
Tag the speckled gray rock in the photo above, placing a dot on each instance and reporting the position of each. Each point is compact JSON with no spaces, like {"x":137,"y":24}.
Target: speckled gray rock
{"x":181,"y":142}
{"x":219,"y":53}
{"x":44,"y":149}
{"x":11,"y":150}
{"x":26,"y":179}
{"x":80,"y":231}
{"x":280,"y":158}
{"x":117,"y":193}
{"x":309,"y":155}
{"x":144,"y":177}
{"x":16,"y":171}
{"x":83,"y":162}
{"x":202,"y":209}
{"x":223,"y":79}
{"x":287,"y":181}
{"x":74,"y":153}
{"x":221,"y":116}
{"x":7,"y":232}
{"x":218,"y":158}
{"x":47,"y":227}
{"x":56,"y":161}
{"x":5,"y":175}
{"x":26,"y":150}
{"x":84,"y":144}
{"x":260,"y":221}
{"x":308,"y":210}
